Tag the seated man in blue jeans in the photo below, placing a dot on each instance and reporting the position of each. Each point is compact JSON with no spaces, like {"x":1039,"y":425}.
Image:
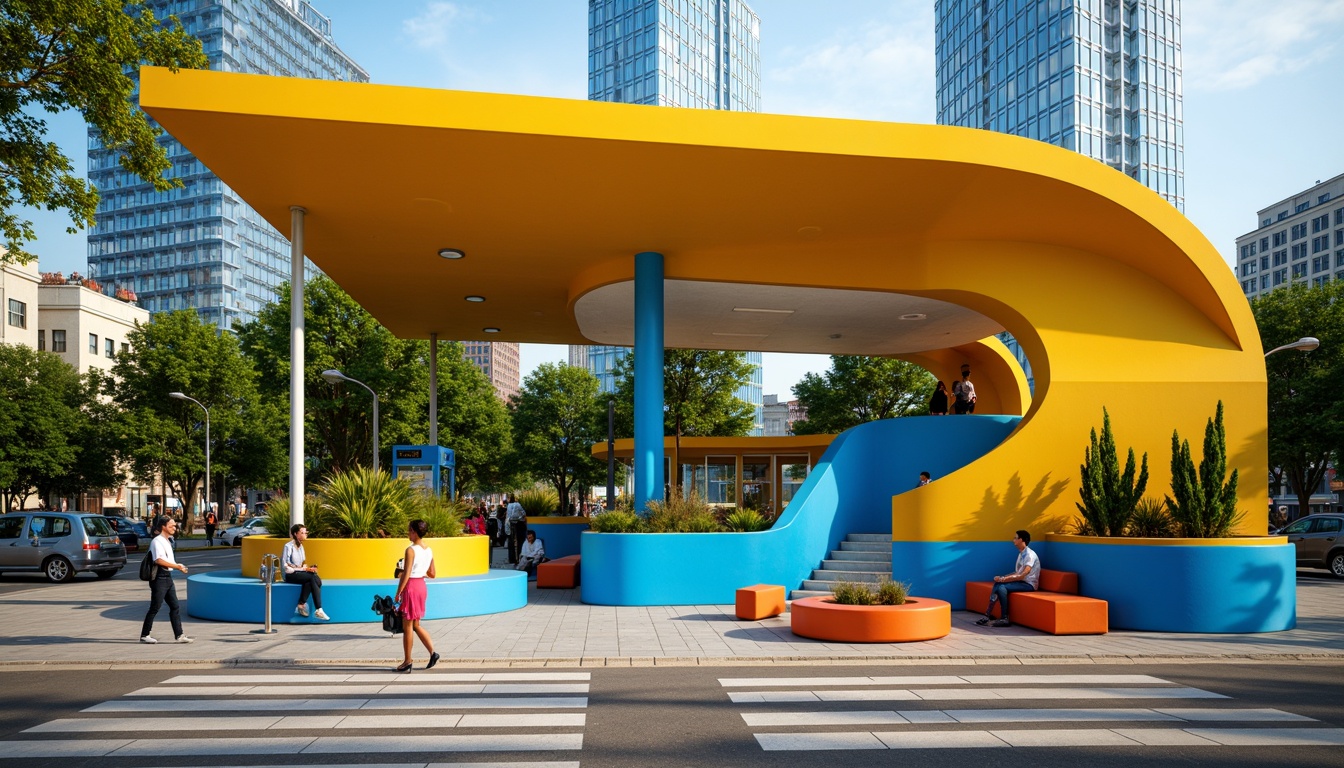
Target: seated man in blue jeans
{"x":1026,"y":578}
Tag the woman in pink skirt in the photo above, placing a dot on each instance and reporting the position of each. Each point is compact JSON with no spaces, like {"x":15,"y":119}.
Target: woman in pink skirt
{"x":411,"y":593}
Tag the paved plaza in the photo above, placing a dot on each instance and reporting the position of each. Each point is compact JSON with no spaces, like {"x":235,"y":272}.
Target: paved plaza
{"x":97,"y":623}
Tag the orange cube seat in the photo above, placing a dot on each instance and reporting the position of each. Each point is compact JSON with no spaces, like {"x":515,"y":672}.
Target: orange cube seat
{"x":760,"y":601}
{"x":560,"y":573}
{"x":1056,"y":607}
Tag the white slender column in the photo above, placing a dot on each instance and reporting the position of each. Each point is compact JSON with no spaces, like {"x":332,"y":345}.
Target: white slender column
{"x":433,"y":389}
{"x":296,"y":363}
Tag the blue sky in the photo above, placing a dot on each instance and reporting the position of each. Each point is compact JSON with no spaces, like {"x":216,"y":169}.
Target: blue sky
{"x":1262,"y":114}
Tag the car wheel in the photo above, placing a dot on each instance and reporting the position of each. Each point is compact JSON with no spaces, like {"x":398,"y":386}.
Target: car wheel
{"x":237,"y":541}
{"x":1337,"y":563}
{"x":58,"y":569}
{"x":107,"y":574}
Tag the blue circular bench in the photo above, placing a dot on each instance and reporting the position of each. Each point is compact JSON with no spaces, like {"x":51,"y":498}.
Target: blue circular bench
{"x":230,"y":596}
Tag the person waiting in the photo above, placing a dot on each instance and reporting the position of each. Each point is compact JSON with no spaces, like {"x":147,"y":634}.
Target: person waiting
{"x":532,"y":554}
{"x":1026,"y":578}
{"x":298,"y":571}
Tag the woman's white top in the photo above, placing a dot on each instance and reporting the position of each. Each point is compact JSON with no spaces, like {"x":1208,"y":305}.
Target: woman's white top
{"x":292,"y":557}
{"x":423,"y":557}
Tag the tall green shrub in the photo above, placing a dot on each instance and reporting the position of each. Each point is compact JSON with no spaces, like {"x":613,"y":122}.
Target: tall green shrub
{"x":539,"y":502}
{"x":1202,"y":505}
{"x":362,"y":504}
{"x":1109,"y":496}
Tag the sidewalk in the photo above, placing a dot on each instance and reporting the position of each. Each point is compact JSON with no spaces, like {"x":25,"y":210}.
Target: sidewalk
{"x":97,"y":623}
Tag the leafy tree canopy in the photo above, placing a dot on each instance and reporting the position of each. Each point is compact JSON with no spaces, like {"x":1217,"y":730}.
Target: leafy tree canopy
{"x":557,"y":417}
{"x":41,"y":420}
{"x":699,"y":391}
{"x":1306,"y":413}
{"x":859,"y":389}
{"x":74,"y":54}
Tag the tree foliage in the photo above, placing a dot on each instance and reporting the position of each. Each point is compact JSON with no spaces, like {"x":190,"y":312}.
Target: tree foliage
{"x":74,"y":54}
{"x":1109,"y":495}
{"x":1306,"y":414}
{"x":1203,"y":505}
{"x":860,"y":389}
{"x":557,"y":417}
{"x":699,"y":394}
{"x":178,"y":352}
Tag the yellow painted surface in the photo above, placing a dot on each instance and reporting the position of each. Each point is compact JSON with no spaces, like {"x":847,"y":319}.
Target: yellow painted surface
{"x":373,"y":558}
{"x":1240,"y":541}
{"x":1118,"y":300}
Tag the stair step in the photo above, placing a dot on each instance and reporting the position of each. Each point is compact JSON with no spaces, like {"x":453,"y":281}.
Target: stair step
{"x":799,"y":594}
{"x":870,"y":577}
{"x":884,"y":538}
{"x":865,"y":546}
{"x":862,"y":566}
{"x":863,"y":555}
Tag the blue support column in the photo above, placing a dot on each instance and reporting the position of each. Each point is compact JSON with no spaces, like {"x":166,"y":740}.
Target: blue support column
{"x":648,"y":379}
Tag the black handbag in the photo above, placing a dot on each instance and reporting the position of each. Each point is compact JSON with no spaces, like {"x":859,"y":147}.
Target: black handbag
{"x":384,"y":606}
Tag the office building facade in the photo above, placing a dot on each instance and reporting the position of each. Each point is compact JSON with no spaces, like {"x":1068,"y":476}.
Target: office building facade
{"x":500,"y":362}
{"x":201,"y":247}
{"x":1300,"y":240}
{"x":674,"y":53}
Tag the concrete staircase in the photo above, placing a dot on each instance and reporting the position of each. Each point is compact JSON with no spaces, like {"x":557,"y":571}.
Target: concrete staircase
{"x":861,"y":557}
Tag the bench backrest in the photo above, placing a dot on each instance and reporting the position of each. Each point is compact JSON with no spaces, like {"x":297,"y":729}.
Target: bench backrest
{"x":1059,"y":581}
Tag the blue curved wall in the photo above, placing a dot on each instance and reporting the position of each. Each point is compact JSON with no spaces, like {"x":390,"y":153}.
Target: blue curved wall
{"x":849,"y":491}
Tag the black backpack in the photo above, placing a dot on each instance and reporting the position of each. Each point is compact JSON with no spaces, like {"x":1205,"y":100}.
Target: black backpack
{"x":149,"y":570}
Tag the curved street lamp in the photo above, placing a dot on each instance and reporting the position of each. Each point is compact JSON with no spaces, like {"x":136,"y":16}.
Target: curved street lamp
{"x":334,"y":376}
{"x":180,"y":396}
{"x":1304,"y":344}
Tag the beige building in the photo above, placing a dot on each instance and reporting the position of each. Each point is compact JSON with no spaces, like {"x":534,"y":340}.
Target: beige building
{"x":500,"y":361}
{"x":18,"y":299}
{"x":86,"y":328}
{"x":1300,"y":239}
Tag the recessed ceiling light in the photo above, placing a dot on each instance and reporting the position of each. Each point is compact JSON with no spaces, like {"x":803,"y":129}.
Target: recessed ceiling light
{"x":764,"y":311}
{"x":490,"y":330}
{"x":475,"y":299}
{"x":915,"y":316}
{"x":452,"y":253}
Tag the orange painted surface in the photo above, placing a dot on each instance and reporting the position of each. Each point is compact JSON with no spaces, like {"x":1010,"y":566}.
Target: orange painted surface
{"x":1053,"y":609}
{"x":760,"y":601}
{"x":561,"y":573}
{"x":921,"y":618}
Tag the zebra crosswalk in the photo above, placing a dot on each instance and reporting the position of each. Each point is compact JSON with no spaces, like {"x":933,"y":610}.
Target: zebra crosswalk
{"x":288,"y":715}
{"x":1113,"y":710}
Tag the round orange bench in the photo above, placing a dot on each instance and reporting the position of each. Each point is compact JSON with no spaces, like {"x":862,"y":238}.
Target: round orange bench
{"x":921,"y":618}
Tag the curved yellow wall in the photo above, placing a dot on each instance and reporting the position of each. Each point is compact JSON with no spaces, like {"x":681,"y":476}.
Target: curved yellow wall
{"x":373,"y":558}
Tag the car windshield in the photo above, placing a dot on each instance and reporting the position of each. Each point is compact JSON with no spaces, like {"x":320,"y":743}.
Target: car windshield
{"x":1301,"y":526}
{"x":98,"y":526}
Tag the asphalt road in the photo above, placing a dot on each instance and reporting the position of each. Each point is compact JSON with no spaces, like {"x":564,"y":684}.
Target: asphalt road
{"x":665,"y":717}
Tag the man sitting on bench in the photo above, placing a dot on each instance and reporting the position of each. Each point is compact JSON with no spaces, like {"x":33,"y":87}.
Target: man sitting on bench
{"x":533,"y":554}
{"x":1026,"y":578}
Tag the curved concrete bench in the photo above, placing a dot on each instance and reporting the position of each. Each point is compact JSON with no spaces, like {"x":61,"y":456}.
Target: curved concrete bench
{"x":230,"y":596}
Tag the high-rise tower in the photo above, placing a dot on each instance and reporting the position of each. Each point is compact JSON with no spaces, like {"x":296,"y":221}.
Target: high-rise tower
{"x":674,"y":53}
{"x":201,"y":247}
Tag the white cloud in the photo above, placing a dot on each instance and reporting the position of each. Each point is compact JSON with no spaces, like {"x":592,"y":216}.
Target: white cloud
{"x":1229,"y":45}
{"x":431,"y":28}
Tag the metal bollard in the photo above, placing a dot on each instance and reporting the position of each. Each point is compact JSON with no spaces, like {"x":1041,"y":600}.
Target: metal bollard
{"x":269,"y":565}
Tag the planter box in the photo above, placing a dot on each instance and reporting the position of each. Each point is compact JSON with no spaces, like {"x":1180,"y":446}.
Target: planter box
{"x":372,"y":558}
{"x":821,"y":618}
{"x":1242,"y":584}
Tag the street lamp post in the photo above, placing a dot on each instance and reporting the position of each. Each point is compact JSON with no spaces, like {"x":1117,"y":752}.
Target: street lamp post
{"x":180,"y":396}
{"x":334,"y":376}
{"x":1304,"y":344}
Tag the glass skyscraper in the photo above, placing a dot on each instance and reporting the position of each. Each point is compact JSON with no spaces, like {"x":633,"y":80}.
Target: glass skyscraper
{"x":201,"y":246}
{"x":1100,"y":77}
{"x":674,"y":53}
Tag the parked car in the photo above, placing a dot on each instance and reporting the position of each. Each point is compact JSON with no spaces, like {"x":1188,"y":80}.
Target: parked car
{"x":235,"y":535}
{"x":131,"y":532}
{"x":60,"y":544}
{"x":1318,"y":542}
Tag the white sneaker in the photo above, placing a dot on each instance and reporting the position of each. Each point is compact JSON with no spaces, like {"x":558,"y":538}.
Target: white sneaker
{"x":147,"y":640}
{"x":321,"y":614}
{"x":302,"y":610}
{"x":184,"y":639}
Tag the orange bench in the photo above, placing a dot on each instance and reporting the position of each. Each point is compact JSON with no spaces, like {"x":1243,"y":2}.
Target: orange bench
{"x":760,"y":602}
{"x":560,"y":573}
{"x":1056,"y":607}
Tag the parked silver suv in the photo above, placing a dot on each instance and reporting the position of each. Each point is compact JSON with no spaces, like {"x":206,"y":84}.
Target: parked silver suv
{"x":60,"y":544}
{"x":1318,"y":541}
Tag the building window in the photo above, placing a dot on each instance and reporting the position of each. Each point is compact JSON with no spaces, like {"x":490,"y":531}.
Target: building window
{"x":1300,"y":251}
{"x":41,"y":341}
{"x":1320,"y":222}
{"x":1299,"y":231}
{"x":1319,"y":244}
{"x":1299,"y":270}
{"x":1280,"y":277}
{"x":109,"y":348}
{"x":18,"y":313}
{"x":1339,"y":217}
{"x":1281,"y":237}
{"x":1339,"y":237}
{"x":1281,"y":257}
{"x":58,"y":341}
{"x":1264,"y":244}
{"x":125,"y":347}
{"x":1264,"y":282}
{"x":93,"y":343}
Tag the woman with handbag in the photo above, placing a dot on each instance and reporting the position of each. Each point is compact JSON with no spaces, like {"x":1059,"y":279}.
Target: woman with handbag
{"x":411,"y":594}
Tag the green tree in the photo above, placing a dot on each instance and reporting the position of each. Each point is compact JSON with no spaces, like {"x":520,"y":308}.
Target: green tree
{"x":164,"y":437}
{"x":860,"y":389}
{"x":473,"y":421}
{"x":75,"y":54}
{"x":1109,"y":495}
{"x":1306,"y":414}
{"x":557,"y":417}
{"x":40,"y":419}
{"x":1203,"y":505}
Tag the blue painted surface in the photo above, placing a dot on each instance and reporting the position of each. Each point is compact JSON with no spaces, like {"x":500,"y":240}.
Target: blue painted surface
{"x":940,"y":569}
{"x":1186,"y":589}
{"x":230,"y":596}
{"x":561,"y":539}
{"x":849,"y":491}
{"x":648,"y":458}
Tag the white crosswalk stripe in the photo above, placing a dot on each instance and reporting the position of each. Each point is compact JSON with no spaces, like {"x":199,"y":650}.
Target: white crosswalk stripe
{"x":815,"y":729}
{"x":282,"y":714}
